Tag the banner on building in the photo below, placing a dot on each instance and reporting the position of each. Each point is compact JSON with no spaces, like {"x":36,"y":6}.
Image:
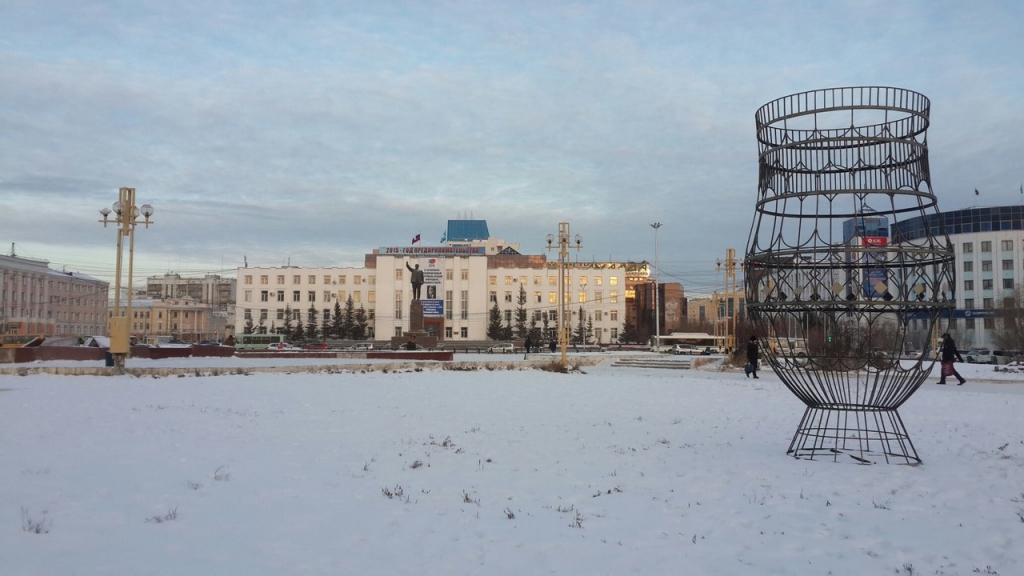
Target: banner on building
{"x":432,"y":291}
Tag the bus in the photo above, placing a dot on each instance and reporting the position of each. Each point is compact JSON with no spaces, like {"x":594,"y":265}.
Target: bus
{"x":257,"y":341}
{"x":21,"y":340}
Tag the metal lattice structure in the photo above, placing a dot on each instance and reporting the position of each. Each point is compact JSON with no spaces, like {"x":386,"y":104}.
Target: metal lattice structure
{"x":830,"y":293}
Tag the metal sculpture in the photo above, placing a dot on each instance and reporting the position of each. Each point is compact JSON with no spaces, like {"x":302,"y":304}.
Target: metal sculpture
{"x":830,"y":293}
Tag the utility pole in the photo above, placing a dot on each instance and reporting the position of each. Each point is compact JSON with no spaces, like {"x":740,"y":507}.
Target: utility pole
{"x":563,"y":284}
{"x":730,"y":298}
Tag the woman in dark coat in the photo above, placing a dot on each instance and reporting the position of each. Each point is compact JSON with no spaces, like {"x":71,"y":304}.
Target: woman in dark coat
{"x":949,"y":354}
{"x":752,"y":354}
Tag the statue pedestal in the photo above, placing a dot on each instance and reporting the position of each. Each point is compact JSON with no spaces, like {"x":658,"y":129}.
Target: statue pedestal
{"x":416,"y":334}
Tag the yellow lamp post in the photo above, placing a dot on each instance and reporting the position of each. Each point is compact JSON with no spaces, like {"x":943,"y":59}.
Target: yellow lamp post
{"x":563,"y":284}
{"x":125,"y":216}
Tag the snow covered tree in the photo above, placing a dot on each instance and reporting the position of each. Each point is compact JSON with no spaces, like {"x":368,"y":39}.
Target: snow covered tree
{"x":494,"y":323}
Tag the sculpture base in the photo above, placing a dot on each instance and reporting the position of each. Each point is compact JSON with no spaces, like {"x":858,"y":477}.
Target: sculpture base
{"x":864,"y":434}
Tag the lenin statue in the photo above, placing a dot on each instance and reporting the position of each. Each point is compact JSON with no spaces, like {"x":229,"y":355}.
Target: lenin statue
{"x":417,"y":280}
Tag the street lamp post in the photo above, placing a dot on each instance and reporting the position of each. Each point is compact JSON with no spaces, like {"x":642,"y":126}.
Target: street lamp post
{"x":657,"y":310}
{"x":563,"y":284}
{"x":125,"y":216}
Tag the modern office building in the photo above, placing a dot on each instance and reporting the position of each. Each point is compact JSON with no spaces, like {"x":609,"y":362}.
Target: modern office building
{"x":989,"y":246}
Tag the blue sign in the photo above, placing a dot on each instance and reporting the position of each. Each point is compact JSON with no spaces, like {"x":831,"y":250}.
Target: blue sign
{"x":433,"y":307}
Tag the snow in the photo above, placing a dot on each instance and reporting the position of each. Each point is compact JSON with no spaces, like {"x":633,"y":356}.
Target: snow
{"x":610,"y":471}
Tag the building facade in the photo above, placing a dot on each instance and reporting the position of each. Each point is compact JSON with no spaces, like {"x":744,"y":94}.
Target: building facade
{"x":184,"y":319}
{"x":989,"y":247}
{"x":35,"y":300}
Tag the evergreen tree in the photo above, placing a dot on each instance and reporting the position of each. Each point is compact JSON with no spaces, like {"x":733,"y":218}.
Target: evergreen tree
{"x":262,"y":328}
{"x":628,"y":334}
{"x":579,"y":335}
{"x":520,"y":330}
{"x":287,"y":329}
{"x":545,"y":318}
{"x":300,"y":333}
{"x":311,"y":323}
{"x":494,"y":323}
{"x":359,"y":324}
{"x":248,"y":328}
{"x":336,"y":324}
{"x":348,"y":321}
{"x":507,"y":331}
{"x":325,"y":325}
{"x":590,"y":331}
{"x":534,"y":332}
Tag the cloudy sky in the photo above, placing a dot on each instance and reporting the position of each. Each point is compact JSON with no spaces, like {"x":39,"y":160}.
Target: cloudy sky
{"x":313,"y":132}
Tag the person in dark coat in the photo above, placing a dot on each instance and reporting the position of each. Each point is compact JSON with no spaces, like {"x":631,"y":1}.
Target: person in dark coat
{"x":529,"y":344}
{"x":949,"y":353}
{"x":752,"y":356}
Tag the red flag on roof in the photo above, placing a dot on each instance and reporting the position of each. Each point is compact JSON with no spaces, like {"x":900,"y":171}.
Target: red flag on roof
{"x":416,"y":239}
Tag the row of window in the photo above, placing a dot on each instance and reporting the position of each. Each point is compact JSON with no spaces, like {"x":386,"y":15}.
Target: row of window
{"x":311,"y":279}
{"x":986,"y":265}
{"x":986,"y":246}
{"x":987,"y":284}
{"x":328,"y":295}
{"x":538,"y":297}
{"x":552,"y":280}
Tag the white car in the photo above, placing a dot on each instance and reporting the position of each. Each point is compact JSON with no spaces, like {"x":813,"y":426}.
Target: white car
{"x":361,"y":347}
{"x":503,"y":348}
{"x":283,"y":346}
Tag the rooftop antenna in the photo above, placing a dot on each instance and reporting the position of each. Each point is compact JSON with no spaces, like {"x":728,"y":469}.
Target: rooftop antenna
{"x":12,"y":250}
{"x":245,"y":259}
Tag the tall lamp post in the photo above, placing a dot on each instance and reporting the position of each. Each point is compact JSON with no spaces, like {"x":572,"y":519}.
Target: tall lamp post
{"x":657,"y":310}
{"x":563,"y":284}
{"x":125,"y":216}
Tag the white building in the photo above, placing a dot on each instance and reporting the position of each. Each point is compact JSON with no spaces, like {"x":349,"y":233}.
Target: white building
{"x":463,"y":281}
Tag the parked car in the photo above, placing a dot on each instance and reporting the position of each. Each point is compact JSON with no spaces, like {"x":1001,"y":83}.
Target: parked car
{"x":361,"y":346}
{"x":318,"y":346}
{"x":979,"y":356}
{"x":503,"y":348}
{"x":207,"y":343}
{"x":687,"y":349}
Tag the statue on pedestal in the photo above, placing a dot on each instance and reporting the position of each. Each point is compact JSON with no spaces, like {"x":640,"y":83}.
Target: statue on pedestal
{"x":416,"y":279}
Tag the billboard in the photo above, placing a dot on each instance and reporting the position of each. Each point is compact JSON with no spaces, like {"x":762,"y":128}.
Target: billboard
{"x":432,"y":292}
{"x":875,"y":271}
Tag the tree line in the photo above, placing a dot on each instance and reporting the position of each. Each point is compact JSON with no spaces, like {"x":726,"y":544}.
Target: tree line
{"x":350,"y":323}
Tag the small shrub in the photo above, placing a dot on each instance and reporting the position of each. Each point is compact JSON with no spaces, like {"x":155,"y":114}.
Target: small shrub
{"x":29,"y":524}
{"x":171,"y":515}
{"x":220,"y":476}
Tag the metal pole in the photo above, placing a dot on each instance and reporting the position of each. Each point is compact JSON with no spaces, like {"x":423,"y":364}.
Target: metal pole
{"x":657,"y":309}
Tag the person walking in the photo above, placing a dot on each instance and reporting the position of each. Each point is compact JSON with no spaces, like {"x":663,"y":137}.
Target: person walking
{"x":529,"y":344}
{"x":752,"y":355}
{"x":949,"y":353}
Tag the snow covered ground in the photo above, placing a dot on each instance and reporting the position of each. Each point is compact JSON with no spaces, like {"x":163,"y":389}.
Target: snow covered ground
{"x":613,"y":471}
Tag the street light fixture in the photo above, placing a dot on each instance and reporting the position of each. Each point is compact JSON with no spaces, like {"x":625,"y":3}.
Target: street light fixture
{"x":657,"y":310}
{"x":563,"y":283}
{"x":126,"y":217}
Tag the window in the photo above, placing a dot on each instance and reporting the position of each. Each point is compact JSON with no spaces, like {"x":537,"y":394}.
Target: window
{"x":1007,"y":264}
{"x":493,"y":296}
{"x":264,"y":279}
{"x":371,"y":297}
{"x":597,"y":296}
{"x":613,"y":281}
{"x":280,"y":295}
{"x":327,"y":295}
{"x":342,"y":280}
{"x":312,"y":296}
{"x":522,"y":280}
{"x":583,"y":280}
{"x":968,"y":266}
{"x":448,"y":294}
{"x":536,"y":280}
{"x":464,"y":274}
{"x":970,"y":323}
{"x":613,"y":297}
{"x":552,"y":280}
{"x":968,"y":284}
{"x":597,"y":280}
{"x":582,"y":297}
{"x":986,"y":265}
{"x":464,"y":332}
{"x":312,"y":279}
{"x":613,"y":315}
{"x":552,"y":298}
{"x":597,"y":315}
{"x":538,"y":296}
{"x":986,"y":303}
{"x":989,"y":323}
{"x":986,"y":246}
{"x":969,"y":303}
{"x":327,"y":279}
{"x":1007,"y":245}
{"x":508,"y":296}
{"x":357,"y":279}
{"x":295,"y":296}
{"x":508,"y":316}
{"x":263,"y":296}
{"x":968,"y":247}
{"x":508,"y":280}
{"x":449,"y":274}
{"x":1008,"y":283}
{"x":280,"y":314}
{"x":615,"y":334}
{"x":342,"y":295}
{"x":398,"y":305}
{"x":464,"y":304}
{"x":248,"y":278}
{"x":296,"y":279}
{"x":248,"y":296}
{"x":447,"y":331}
{"x":492,"y":280}
{"x":263,"y":313}
{"x":357,"y":297}
{"x":280,"y":278}
{"x":986,"y":284}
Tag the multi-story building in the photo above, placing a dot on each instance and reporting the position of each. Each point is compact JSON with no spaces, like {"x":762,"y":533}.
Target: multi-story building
{"x":989,"y":247}
{"x":181,"y":318}
{"x":464,"y":281}
{"x":37,"y":300}
{"x":217,"y":294}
